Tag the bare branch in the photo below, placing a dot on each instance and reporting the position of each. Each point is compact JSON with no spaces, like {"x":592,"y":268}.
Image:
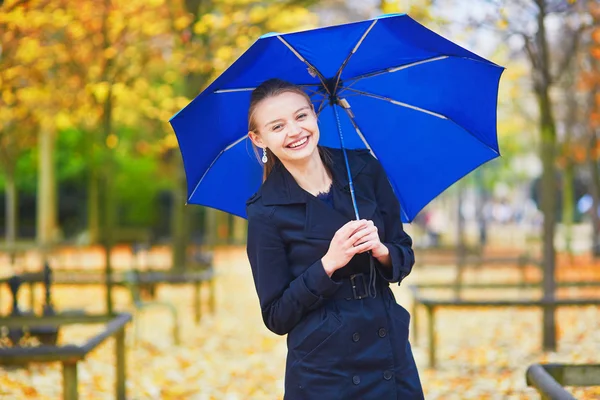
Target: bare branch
{"x":564,"y":64}
{"x":531,"y":52}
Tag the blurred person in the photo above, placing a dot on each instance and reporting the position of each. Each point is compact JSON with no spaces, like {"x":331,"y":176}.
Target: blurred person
{"x":321,"y":277}
{"x":437,"y":223}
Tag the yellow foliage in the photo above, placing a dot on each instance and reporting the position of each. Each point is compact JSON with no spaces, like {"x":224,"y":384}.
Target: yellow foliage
{"x":170,"y":141}
{"x":8,"y":97}
{"x":182,"y":22}
{"x":224,"y":53}
{"x":200,"y":28}
{"x":28,"y":50}
{"x":170,"y":77}
{"x":168,"y":104}
{"x":112,"y":141}
{"x":242,"y":41}
{"x":502,"y":24}
{"x":390,"y":6}
{"x":100,"y":90}
{"x":110,"y":52}
{"x":257,"y":14}
{"x":62,"y":120}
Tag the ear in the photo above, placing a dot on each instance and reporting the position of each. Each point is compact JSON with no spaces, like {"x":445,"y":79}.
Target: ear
{"x":256,"y":139}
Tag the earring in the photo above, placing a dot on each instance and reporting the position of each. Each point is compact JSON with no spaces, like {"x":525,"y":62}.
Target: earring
{"x":264,"y":157}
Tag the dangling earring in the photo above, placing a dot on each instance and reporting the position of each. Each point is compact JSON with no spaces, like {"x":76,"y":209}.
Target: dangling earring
{"x":264,"y":157}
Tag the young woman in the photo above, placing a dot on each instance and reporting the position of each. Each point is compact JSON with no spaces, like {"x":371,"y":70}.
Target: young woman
{"x":322,"y":277}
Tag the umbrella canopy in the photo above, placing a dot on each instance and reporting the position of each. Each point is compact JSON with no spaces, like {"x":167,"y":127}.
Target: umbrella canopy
{"x":424,"y":106}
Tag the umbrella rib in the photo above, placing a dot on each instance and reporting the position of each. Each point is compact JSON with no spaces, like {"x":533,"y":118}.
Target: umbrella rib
{"x":398,"y":103}
{"x":213,"y":163}
{"x":321,"y":107}
{"x":358,"y":131}
{"x":311,"y":68}
{"x":395,"y":69}
{"x":248,"y":89}
{"x":360,"y":41}
{"x":364,"y":140}
{"x":234,"y":90}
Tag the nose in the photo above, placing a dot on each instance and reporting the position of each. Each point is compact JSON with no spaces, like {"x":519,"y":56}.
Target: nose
{"x":295,"y":129}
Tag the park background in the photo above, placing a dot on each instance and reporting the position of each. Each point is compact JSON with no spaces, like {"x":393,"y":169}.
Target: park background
{"x":90,"y":167}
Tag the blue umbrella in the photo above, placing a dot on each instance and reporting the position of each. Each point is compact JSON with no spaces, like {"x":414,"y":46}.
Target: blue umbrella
{"x":424,"y":106}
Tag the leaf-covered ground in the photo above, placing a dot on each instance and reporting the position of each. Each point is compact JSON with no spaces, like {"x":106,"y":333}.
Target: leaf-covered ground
{"x":482,"y":354}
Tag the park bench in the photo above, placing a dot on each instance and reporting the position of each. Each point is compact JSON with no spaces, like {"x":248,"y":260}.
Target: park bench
{"x":432,"y":305}
{"x":549,"y":379}
{"x":146,"y":280}
{"x":70,"y":355}
{"x":132,"y":281}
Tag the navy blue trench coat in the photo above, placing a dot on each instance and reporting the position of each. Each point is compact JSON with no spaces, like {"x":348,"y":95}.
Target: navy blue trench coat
{"x":342,"y":343}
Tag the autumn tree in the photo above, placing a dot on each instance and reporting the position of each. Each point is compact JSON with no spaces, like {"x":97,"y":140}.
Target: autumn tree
{"x":207,"y":37}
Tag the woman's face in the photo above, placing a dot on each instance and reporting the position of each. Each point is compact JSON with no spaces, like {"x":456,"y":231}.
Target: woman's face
{"x":287,"y":125}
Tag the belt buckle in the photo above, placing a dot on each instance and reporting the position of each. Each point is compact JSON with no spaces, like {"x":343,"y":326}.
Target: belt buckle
{"x":364,"y":286}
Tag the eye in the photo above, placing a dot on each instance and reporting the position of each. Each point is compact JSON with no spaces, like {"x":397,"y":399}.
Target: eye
{"x":301,"y":116}
{"x":277,"y":127}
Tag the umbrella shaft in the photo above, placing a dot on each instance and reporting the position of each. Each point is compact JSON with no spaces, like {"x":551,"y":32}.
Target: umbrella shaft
{"x":350,"y":182}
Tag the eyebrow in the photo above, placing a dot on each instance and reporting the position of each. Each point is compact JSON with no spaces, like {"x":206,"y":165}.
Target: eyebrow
{"x":279,"y":119}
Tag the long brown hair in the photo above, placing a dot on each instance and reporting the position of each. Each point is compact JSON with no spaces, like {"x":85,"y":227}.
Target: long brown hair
{"x":270,"y":88}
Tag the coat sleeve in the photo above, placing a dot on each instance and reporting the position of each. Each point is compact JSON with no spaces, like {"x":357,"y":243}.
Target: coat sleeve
{"x":284,"y":300}
{"x":396,"y":239}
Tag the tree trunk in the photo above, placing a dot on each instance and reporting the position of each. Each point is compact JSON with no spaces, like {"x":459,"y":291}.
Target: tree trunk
{"x":11,"y":210}
{"x":568,"y":204}
{"x":548,"y":155}
{"x":461,"y":251}
{"x":548,"y":202}
{"x":481,"y":200}
{"x":46,"y":196}
{"x":181,"y":215}
{"x":180,"y":226}
{"x":93,"y":206}
{"x":109,"y":209}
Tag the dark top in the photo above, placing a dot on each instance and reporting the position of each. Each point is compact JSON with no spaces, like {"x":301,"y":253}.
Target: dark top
{"x":326,"y":197}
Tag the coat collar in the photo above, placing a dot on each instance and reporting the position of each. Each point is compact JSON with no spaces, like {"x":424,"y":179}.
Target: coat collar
{"x":281,"y":188}
{"x":322,"y":221}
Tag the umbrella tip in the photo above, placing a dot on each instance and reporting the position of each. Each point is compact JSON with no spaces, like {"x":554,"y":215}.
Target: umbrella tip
{"x":267,"y":35}
{"x":389,"y":15}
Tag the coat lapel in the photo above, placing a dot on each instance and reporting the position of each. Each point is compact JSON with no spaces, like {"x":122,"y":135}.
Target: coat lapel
{"x":321,"y":220}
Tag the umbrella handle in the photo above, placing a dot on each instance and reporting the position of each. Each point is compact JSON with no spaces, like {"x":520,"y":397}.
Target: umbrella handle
{"x":350,"y":182}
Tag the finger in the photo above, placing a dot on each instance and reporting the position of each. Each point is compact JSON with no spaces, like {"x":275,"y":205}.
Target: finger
{"x":364,"y":247}
{"x":359,"y":235}
{"x":351,"y":227}
{"x":373,"y":237}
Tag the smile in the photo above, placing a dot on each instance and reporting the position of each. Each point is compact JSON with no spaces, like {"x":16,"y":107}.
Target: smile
{"x":299,"y":143}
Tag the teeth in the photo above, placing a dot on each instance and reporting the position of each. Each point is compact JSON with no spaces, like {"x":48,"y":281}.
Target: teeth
{"x":298,"y":143}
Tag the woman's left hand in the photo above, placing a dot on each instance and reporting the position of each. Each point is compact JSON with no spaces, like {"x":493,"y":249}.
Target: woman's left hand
{"x":367,"y":239}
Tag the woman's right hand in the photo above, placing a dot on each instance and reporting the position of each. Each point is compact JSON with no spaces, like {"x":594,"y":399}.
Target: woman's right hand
{"x":342,"y":247}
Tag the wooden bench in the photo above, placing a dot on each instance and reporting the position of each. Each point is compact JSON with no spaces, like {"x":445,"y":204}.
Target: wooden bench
{"x":145,"y":279}
{"x":69,"y":355}
{"x":132,"y":281}
{"x":432,"y":305}
{"x":549,"y":379}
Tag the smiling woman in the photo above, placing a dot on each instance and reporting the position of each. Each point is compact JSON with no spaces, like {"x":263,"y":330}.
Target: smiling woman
{"x":321,"y":277}
{"x":282,"y":122}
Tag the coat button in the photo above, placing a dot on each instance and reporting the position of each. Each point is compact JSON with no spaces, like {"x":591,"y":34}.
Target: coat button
{"x":356,"y":337}
{"x":387,"y":375}
{"x":382,"y":332}
{"x":356,"y":379}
